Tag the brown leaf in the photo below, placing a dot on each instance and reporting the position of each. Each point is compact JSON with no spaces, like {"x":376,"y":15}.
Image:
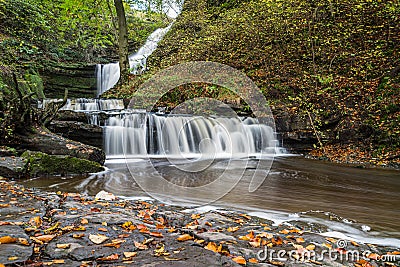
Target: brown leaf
{"x":112,"y":257}
{"x":35,"y":221}
{"x":63,"y":246}
{"x":84,"y":221}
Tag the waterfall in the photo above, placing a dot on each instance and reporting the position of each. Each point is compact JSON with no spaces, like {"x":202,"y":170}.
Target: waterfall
{"x":86,"y":105}
{"x":108,"y":74}
{"x":141,"y":134}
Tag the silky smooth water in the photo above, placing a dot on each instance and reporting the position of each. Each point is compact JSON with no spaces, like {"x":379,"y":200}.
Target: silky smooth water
{"x":360,"y":203}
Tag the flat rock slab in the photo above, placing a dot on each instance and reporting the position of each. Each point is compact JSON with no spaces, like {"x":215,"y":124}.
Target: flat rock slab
{"x":14,"y":253}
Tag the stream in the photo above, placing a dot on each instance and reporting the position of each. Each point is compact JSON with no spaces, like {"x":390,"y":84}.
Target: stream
{"x":329,"y":198}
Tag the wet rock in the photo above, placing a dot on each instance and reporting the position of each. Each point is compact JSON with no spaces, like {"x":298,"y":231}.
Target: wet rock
{"x":216,"y":237}
{"x":69,"y":115}
{"x":39,"y":163}
{"x":12,"y":167}
{"x":14,"y":253}
{"x":79,"y":131}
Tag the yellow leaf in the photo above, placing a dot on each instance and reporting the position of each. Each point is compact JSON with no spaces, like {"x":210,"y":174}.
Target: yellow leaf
{"x":284,"y":231}
{"x":212,"y":246}
{"x":55,"y":226}
{"x":240,"y":260}
{"x":310,"y":247}
{"x":195,"y":216}
{"x":184,"y":237}
{"x":7,"y":239}
{"x":112,"y":257}
{"x":13,"y":258}
{"x":78,"y":235}
{"x":63,"y":246}
{"x":36,"y":221}
{"x":58,"y":261}
{"x":233,"y":229}
{"x":300,"y":240}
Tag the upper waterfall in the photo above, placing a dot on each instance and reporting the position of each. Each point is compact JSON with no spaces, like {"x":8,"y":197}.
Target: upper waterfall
{"x":108,"y":74}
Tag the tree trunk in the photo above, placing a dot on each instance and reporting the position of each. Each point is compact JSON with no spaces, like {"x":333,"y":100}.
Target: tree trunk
{"x":122,"y":42}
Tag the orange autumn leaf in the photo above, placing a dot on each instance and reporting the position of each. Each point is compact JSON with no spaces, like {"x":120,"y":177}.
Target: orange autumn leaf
{"x":156,"y":234}
{"x":7,"y":240}
{"x":112,"y":257}
{"x":184,"y":237}
{"x":253,"y":260}
{"x":240,"y":260}
{"x":140,"y":246}
{"x":195,"y":216}
{"x":284,"y":231}
{"x":247,"y":237}
{"x":102,"y":229}
{"x":300,"y":240}
{"x":212,"y":246}
{"x":84,"y":221}
{"x":233,"y":229}
{"x":46,"y":238}
{"x":266,"y":235}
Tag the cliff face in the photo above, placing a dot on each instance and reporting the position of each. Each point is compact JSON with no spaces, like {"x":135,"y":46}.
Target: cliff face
{"x":335,"y":63}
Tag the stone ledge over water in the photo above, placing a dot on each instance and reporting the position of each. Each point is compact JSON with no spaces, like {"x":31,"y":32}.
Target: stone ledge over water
{"x":40,"y":229}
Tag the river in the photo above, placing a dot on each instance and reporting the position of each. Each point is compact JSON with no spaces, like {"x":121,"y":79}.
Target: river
{"x":334,"y":199}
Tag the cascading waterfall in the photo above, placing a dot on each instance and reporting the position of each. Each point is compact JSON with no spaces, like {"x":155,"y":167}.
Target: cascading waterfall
{"x":141,"y":134}
{"x":108,"y":74}
{"x":86,"y":105}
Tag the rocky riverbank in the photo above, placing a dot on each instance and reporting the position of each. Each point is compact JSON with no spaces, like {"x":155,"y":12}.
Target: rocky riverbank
{"x":42,"y":229}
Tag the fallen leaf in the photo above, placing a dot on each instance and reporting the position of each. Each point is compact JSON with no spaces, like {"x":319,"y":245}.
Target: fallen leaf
{"x":101,"y":229}
{"x":212,"y":246}
{"x":310,"y":247}
{"x":195,"y":216}
{"x":266,"y":235}
{"x":63,"y":246}
{"x":140,"y":246}
{"x":58,"y":261}
{"x":112,"y":257}
{"x":156,"y":234}
{"x":23,"y":241}
{"x":55,"y":226}
{"x":184,"y":237}
{"x":97,"y":239}
{"x":253,"y":260}
{"x":130,"y":254}
{"x":240,"y":260}
{"x":35,"y":221}
{"x":284,"y":231}
{"x":78,"y":235}
{"x":46,"y":238}
{"x":7,"y":240}
{"x":84,"y":221}
{"x":233,"y":229}
{"x":13,"y":258}
{"x":300,"y":240}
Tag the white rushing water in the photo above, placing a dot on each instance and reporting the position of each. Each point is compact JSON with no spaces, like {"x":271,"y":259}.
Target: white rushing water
{"x":87,"y":104}
{"x":108,"y":74}
{"x":140,"y":134}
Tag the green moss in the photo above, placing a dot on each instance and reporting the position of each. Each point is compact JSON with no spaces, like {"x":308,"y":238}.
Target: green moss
{"x":38,"y":163}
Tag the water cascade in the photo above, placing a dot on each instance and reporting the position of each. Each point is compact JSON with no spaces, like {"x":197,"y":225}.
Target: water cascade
{"x":87,"y":104}
{"x":140,"y":134}
{"x":108,"y":74}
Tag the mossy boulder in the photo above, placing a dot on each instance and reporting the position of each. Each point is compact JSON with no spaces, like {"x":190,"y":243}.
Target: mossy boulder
{"x":38,"y":163}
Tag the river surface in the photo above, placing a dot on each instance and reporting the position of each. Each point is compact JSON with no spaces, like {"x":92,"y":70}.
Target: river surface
{"x":336,"y":200}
